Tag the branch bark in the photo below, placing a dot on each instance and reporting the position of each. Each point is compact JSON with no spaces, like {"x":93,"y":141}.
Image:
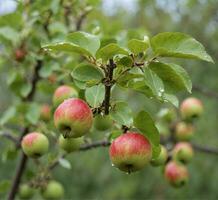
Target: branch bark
{"x":205,"y":92}
{"x":108,"y":84}
{"x":205,"y":149}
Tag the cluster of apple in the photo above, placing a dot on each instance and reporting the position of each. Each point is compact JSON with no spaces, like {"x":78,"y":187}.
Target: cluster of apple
{"x":129,"y":152}
{"x":132,"y":151}
{"x":178,"y":133}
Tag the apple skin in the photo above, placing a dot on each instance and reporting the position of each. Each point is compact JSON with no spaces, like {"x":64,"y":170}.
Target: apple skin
{"x":25,"y":191}
{"x":130,"y":152}
{"x":161,"y":159}
{"x":191,"y":108}
{"x":70,"y":144}
{"x":45,"y":112}
{"x":35,"y":144}
{"x":53,"y":190}
{"x":183,"y":152}
{"x":73,"y":118}
{"x":62,"y":93}
{"x":184,"y":131}
{"x":103,"y":123}
{"x":176,"y":174}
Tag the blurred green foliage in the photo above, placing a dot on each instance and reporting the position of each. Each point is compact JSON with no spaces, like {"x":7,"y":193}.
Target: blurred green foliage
{"x":91,"y":175}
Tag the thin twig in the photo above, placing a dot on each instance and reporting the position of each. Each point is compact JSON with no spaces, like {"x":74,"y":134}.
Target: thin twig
{"x":205,"y":149}
{"x":205,"y":91}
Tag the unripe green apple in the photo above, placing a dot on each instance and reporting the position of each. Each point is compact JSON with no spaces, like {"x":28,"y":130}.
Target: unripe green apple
{"x":62,"y":93}
{"x":191,"y":108}
{"x":35,"y":144}
{"x":183,"y":152}
{"x":103,"y":123}
{"x":53,"y":190}
{"x":45,"y":112}
{"x":184,"y":131}
{"x":70,"y":144}
{"x":161,"y":159}
{"x":73,"y":118}
{"x":130,"y":152}
{"x":176,"y":174}
{"x":167,"y":114}
{"x":25,"y":191}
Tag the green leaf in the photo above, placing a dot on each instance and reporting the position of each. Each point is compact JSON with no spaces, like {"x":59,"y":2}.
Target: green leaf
{"x":109,"y":51}
{"x":175,"y":78}
{"x":171,"y":99}
{"x":125,"y":61}
{"x":137,"y":46}
{"x":25,"y":89}
{"x":87,"y":41}
{"x":33,"y":113}
{"x":65,"y":163}
{"x":48,"y":68}
{"x":154,"y":83}
{"x":180,"y":45}
{"x":122,"y":114}
{"x":87,"y":72}
{"x":66,"y":47}
{"x":77,"y":42}
{"x":9,"y":34}
{"x":95,"y":95}
{"x":7,"y":115}
{"x":4,"y":185}
{"x":145,"y":124}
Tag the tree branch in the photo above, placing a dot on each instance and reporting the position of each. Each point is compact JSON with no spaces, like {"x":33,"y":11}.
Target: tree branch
{"x":10,"y":137}
{"x":82,"y":18}
{"x":108,"y":82}
{"x":205,"y":92}
{"x":205,"y":149}
{"x":23,"y":159}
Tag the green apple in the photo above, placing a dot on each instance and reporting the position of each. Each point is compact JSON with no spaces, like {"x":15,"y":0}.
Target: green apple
{"x":183,"y":152}
{"x":53,"y":191}
{"x":161,"y":159}
{"x":70,"y":144}
{"x":184,"y":131}
{"x":25,"y":191}
{"x":103,"y":123}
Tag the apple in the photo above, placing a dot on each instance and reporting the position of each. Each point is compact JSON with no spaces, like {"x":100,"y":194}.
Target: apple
{"x":103,"y":123}
{"x":62,"y":93}
{"x":184,"y":131}
{"x":191,"y":108}
{"x":25,"y":191}
{"x":70,"y":144}
{"x":183,"y":152}
{"x":34,"y":144}
{"x":53,"y":190}
{"x":45,"y":112}
{"x":73,"y":118}
{"x":161,"y":159}
{"x":176,"y":174}
{"x":20,"y":54}
{"x":163,"y":128}
{"x":167,"y":114}
{"x":130,"y":152}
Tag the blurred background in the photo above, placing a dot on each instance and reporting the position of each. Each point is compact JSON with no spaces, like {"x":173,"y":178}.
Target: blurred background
{"x":91,"y":175}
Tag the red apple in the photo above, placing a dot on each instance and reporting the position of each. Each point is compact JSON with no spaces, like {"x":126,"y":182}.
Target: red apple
{"x":130,"y":152}
{"x":20,"y":54}
{"x":73,"y":118}
{"x":62,"y":93}
{"x":176,"y":174}
{"x":191,"y":108}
